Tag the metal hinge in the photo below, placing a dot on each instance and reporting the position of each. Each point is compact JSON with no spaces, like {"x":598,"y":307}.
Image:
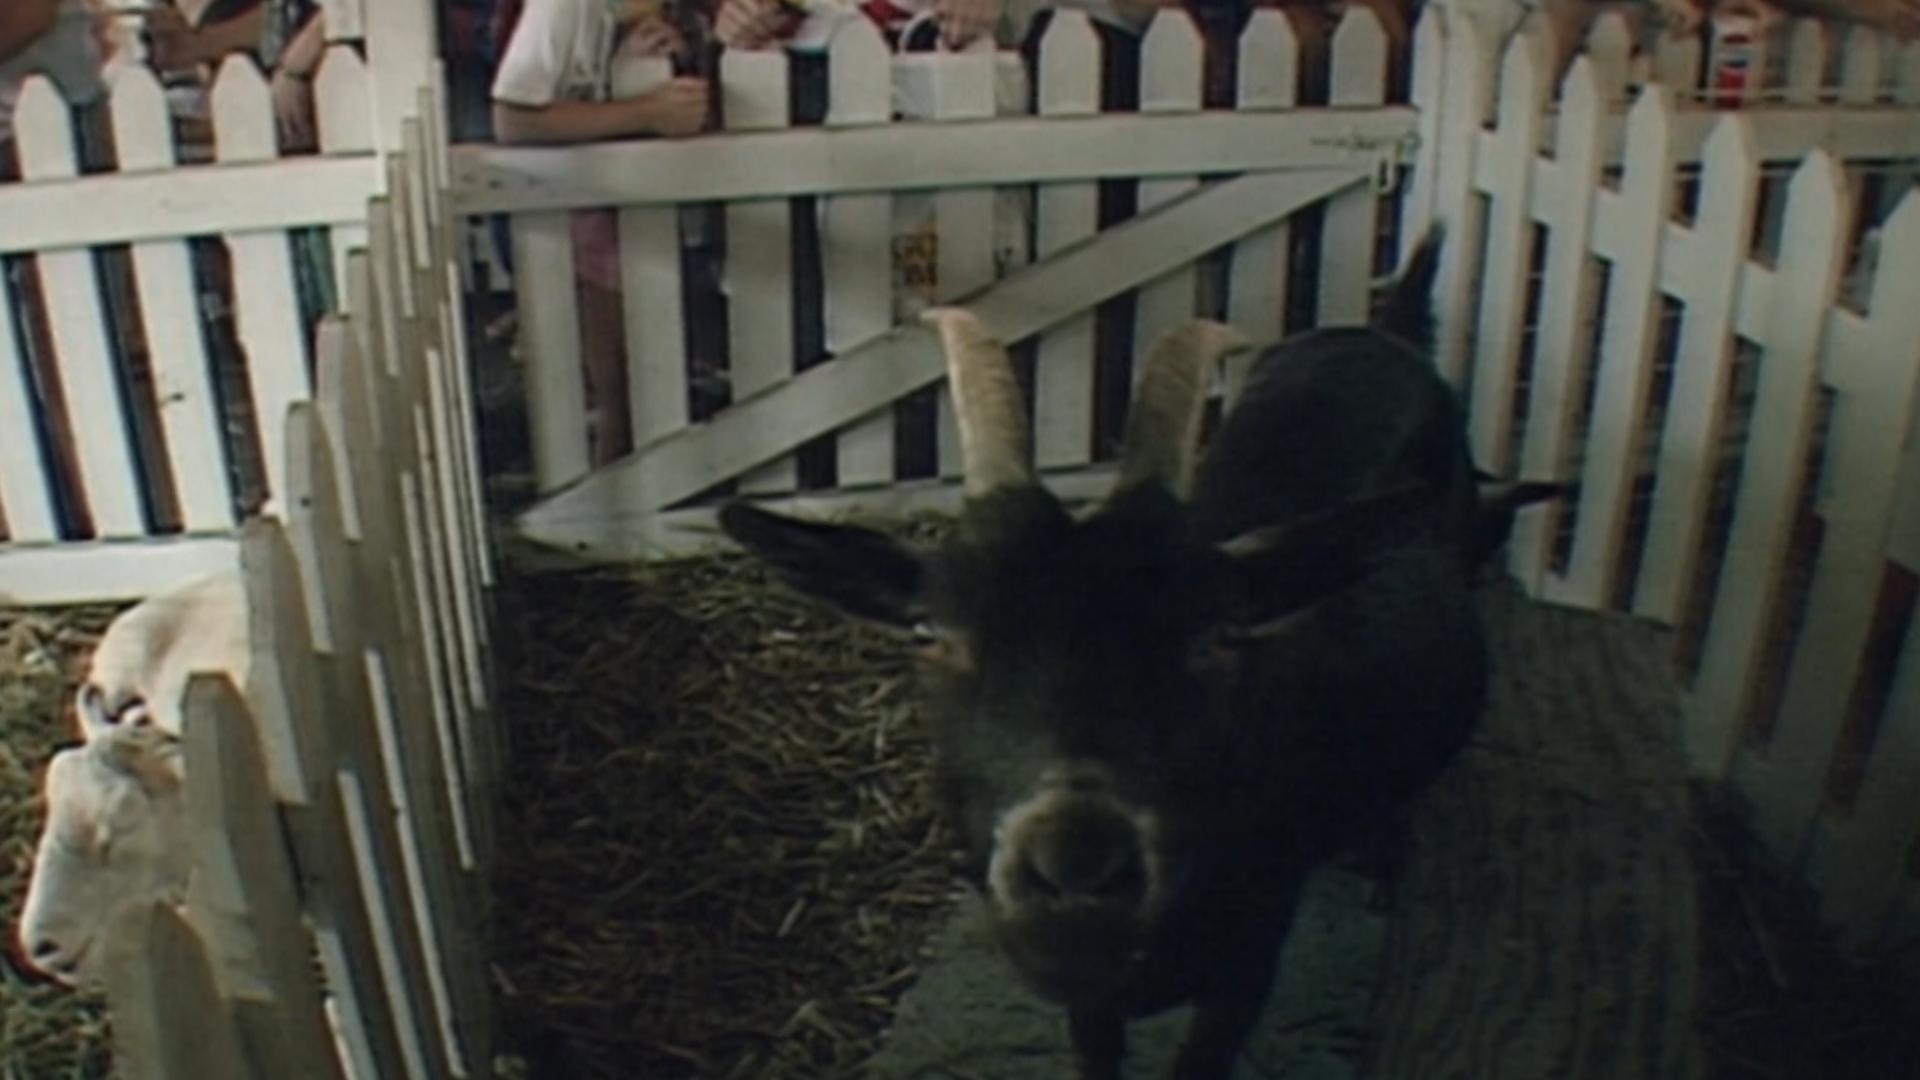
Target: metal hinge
{"x":1387,"y":154}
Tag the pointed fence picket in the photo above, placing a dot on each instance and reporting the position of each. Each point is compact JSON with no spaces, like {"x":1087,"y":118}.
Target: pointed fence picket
{"x":1683,"y":251}
{"x":163,"y":332}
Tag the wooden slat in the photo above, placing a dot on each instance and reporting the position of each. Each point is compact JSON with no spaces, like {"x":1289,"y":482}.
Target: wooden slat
{"x":286,"y":675}
{"x":1676,"y":64}
{"x":343,"y":113}
{"x":243,"y":872}
{"x":403,"y":699}
{"x":393,"y":882}
{"x":550,"y":334}
{"x":915,"y":156}
{"x":856,"y":242}
{"x":1025,"y":303}
{"x":1357,"y":77}
{"x":650,"y":289}
{"x":1703,"y":366}
{"x":26,"y":485}
{"x":77,"y":321}
{"x":1171,"y":59}
{"x":1770,"y":478}
{"x":1068,"y":84}
{"x":128,"y":207}
{"x":169,"y":1020}
{"x":1628,"y":336}
{"x":960,"y":88}
{"x":401,"y":47}
{"x":266,"y":303}
{"x":1561,"y":350}
{"x":1806,"y":61}
{"x":1269,"y":78}
{"x":1610,"y":47}
{"x":1426,"y":90}
{"x":1526,"y":84}
{"x":170,"y":316}
{"x":1456,"y":205}
{"x":1859,"y":864}
{"x":759,"y":262}
{"x":1872,"y":417}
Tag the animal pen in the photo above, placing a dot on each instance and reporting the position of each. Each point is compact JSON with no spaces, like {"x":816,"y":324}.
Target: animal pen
{"x":1693,"y":306}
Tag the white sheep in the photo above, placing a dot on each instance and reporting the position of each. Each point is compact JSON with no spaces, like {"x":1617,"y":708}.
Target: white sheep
{"x":116,"y":826}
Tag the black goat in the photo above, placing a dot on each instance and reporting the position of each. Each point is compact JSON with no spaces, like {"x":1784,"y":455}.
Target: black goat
{"x":1154,"y":719}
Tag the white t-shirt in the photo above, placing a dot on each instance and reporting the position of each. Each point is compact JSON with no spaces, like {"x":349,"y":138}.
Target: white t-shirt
{"x":66,"y":53}
{"x":561,"y":50}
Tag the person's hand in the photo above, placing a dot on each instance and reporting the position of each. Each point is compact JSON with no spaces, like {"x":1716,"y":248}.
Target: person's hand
{"x":293,"y":110}
{"x":962,"y":21}
{"x":754,"y":24}
{"x":172,"y":43}
{"x":675,"y":108}
{"x":652,"y":35}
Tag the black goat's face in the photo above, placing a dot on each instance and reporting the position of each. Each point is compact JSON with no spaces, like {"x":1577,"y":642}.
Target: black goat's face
{"x":1077,"y":674}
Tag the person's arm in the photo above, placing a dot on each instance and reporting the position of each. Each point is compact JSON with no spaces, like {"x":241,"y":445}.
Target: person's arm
{"x":302,"y":56}
{"x":175,"y":44}
{"x":677,"y":107}
{"x":22,"y":22}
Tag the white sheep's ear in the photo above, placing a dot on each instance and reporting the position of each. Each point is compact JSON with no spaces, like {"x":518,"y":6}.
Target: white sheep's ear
{"x":90,"y":706}
{"x":149,"y":755}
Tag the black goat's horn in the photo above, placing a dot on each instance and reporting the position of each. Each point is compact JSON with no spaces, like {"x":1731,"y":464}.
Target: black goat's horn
{"x":1163,"y":426}
{"x":994,"y":446}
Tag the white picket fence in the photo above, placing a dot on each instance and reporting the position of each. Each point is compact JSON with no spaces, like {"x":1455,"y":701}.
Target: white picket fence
{"x":919,"y":183}
{"x":364,"y":831}
{"x":164,"y":326}
{"x":1741,"y":427}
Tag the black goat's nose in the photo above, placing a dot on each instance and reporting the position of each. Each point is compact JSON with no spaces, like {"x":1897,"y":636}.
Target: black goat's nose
{"x":1093,"y":856}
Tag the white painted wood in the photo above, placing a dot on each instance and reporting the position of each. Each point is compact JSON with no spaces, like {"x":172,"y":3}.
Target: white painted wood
{"x":650,"y":296}
{"x":1457,"y":205}
{"x":35,"y":575}
{"x":1769,"y":493}
{"x":1806,"y":61}
{"x":1676,"y":64}
{"x":1526,"y":84}
{"x":856,"y":241}
{"x":267,"y":306}
{"x":77,"y":321}
{"x":401,"y":47}
{"x":550,"y":334}
{"x":287,"y":677}
{"x":169,"y":1017}
{"x":1610,"y":46}
{"x":758,"y":279}
{"x":919,"y":156}
{"x":1068,"y":78}
{"x":1171,"y":59}
{"x":1859,"y":865}
{"x":1863,"y":65}
{"x":343,"y":113}
{"x":26,"y":495}
{"x":1703,"y":365}
{"x":242,"y":870}
{"x":1258,"y":277}
{"x":170,"y":315}
{"x":1426,"y":90}
{"x":1873,"y":413}
{"x":769,"y":425}
{"x":151,"y":205}
{"x":1562,"y":349}
{"x":1357,"y":76}
{"x":344,"y":21}
{"x":1626,"y":360}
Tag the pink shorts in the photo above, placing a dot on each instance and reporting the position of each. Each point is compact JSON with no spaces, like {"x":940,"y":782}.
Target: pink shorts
{"x":596,"y":249}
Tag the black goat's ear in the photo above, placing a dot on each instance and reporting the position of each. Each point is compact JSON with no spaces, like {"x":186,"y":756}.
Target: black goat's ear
{"x":861,"y":571}
{"x":1281,"y":569}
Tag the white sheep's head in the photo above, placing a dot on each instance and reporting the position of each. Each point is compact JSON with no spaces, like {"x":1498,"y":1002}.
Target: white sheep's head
{"x":116,"y":832}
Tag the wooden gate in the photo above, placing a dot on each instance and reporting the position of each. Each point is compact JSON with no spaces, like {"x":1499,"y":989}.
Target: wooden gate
{"x":916,"y":186}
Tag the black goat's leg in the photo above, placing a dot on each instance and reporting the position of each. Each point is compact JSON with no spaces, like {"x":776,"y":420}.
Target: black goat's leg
{"x":1224,"y":1016}
{"x":1099,"y":1042}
